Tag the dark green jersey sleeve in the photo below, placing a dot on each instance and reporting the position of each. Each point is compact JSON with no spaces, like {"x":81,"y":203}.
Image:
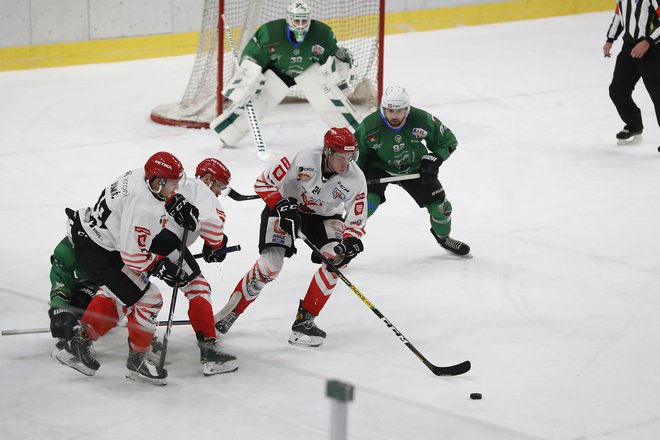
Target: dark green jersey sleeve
{"x":399,"y":151}
{"x":272,"y":47}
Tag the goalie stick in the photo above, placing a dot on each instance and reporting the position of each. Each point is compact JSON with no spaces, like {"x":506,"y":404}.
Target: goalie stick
{"x":252,"y":115}
{"x":451,"y":370}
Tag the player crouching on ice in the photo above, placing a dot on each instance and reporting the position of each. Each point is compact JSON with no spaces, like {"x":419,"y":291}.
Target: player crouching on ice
{"x":283,"y":53}
{"x":115,"y":244}
{"x":322,"y":192}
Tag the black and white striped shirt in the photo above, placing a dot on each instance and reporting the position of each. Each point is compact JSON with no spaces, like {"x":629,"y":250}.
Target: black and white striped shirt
{"x":637,"y":19}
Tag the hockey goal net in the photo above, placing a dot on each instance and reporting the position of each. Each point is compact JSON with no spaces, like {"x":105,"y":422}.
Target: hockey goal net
{"x":358,"y":26}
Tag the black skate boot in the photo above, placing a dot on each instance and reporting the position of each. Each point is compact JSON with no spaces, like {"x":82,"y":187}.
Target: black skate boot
{"x":452,"y":245}
{"x":155,"y":350}
{"x":212,"y":359}
{"x":305,"y":332}
{"x":225,"y":323}
{"x":78,"y":353}
{"x":628,"y":136}
{"x":141,"y":368}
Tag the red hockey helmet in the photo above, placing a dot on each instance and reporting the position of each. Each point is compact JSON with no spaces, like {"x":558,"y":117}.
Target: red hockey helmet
{"x":216,"y":168}
{"x":340,"y":140}
{"x":163,"y":165}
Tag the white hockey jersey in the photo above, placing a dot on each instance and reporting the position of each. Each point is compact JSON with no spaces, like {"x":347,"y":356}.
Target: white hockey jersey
{"x":302,"y":177}
{"x":126,"y":218}
{"x":211,"y":215}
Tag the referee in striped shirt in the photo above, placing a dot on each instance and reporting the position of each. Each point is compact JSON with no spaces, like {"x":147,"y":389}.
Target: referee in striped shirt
{"x":639,"y":23}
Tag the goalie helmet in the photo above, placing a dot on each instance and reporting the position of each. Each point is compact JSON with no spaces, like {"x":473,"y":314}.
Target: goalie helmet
{"x":395,"y":97}
{"x":163,"y":165}
{"x":216,"y":168}
{"x":340,"y":140}
{"x":298,"y":19}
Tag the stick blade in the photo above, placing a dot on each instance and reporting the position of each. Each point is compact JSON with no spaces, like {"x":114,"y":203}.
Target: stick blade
{"x":452,"y":370}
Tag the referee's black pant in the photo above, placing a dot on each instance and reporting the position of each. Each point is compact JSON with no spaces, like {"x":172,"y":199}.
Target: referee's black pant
{"x":627,"y":72}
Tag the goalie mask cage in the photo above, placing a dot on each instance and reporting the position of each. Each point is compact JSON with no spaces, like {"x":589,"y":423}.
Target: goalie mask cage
{"x":358,"y":26}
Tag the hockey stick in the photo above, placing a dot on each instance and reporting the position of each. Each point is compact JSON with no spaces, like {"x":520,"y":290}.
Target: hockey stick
{"x":392,"y":179}
{"x":168,"y":328}
{"x":221,"y":251}
{"x":241,"y":197}
{"x":252,"y":115}
{"x":452,"y":370}
{"x":30,"y":331}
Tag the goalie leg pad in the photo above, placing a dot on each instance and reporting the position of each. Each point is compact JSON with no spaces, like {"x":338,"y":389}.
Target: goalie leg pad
{"x":319,"y":85}
{"x":233,"y":124}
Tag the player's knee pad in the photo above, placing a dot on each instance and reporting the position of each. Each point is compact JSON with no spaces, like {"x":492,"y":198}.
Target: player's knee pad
{"x":440,"y":212}
{"x":197,"y":288}
{"x":146,"y":309}
{"x":373,"y":202}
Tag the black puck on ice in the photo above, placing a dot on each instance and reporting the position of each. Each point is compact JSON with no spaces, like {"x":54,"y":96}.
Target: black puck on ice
{"x":658,"y":149}
{"x":475,"y":396}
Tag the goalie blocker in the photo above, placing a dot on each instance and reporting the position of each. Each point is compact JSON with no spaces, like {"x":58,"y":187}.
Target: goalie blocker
{"x":321,"y":84}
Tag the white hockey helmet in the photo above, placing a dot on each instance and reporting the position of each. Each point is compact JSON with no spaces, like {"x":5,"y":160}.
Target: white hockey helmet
{"x":298,"y":19}
{"x":395,"y":97}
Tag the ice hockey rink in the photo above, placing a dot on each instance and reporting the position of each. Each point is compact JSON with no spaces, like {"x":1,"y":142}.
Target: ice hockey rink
{"x":557,"y":310}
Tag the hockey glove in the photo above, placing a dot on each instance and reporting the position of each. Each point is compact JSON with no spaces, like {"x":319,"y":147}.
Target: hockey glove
{"x":287,"y":211}
{"x":62,"y":322}
{"x":347,"y":250}
{"x":184,"y":214}
{"x":169,"y":272}
{"x":429,"y":166}
{"x":82,"y":295}
{"x":344,"y":55}
{"x":214,"y":255}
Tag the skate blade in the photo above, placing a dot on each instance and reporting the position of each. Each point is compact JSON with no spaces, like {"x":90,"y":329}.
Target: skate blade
{"x":303,"y":340}
{"x":213,"y":368}
{"x":135,"y":377}
{"x":636,"y":139}
{"x":71,"y":361}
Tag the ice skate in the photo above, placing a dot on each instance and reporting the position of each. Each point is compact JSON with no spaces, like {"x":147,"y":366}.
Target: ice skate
{"x":628,"y":137}
{"x":155,"y":350}
{"x":212,"y":359}
{"x":142,"y":369}
{"x":452,"y":245}
{"x":78,"y":353}
{"x":305,"y":332}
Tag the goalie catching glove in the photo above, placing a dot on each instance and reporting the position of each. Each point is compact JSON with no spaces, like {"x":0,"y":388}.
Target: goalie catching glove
{"x":183,"y":212}
{"x":428,"y":169}
{"x":348,"y":249}
{"x":287,"y":211}
{"x":344,"y":55}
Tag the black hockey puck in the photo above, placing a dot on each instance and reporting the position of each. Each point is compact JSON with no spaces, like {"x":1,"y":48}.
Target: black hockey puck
{"x":475,"y":396}
{"x":658,"y":149}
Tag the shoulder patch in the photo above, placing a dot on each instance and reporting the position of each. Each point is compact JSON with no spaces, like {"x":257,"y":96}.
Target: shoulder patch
{"x":419,"y":133}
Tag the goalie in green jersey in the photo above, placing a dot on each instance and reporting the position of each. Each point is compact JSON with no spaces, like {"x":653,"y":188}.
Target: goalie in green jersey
{"x":283,"y":53}
{"x":400,"y":140}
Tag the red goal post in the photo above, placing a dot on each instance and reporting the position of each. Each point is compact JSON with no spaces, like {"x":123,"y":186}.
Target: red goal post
{"x":358,"y":25}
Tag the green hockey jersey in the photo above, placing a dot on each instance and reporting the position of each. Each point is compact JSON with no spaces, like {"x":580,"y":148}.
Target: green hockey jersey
{"x":399,"y":151}
{"x":273,"y":48}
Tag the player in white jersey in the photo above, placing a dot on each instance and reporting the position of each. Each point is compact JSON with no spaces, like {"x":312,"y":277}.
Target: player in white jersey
{"x":212,"y":176}
{"x":114,"y":244}
{"x":323,"y":192}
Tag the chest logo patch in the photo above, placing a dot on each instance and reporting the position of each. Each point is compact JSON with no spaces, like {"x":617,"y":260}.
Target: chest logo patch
{"x":317,"y":50}
{"x":419,"y":133}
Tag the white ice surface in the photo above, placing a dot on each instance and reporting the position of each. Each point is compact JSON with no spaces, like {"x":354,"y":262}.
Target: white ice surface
{"x":558,"y":309}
